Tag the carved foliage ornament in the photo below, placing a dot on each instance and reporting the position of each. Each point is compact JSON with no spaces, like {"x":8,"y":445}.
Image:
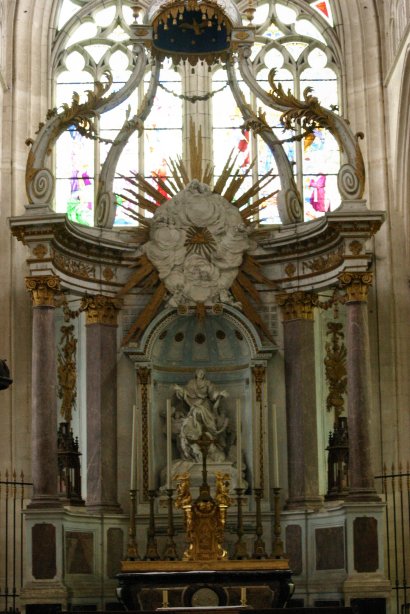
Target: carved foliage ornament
{"x":101,"y":309}
{"x":309,"y":114}
{"x":297,"y":305}
{"x":43,"y":290}
{"x":335,"y":368}
{"x":357,"y":285}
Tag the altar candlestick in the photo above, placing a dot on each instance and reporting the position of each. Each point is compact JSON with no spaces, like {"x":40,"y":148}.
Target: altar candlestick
{"x":169,"y":443}
{"x":275,"y":447}
{"x":238,"y":444}
{"x":133,"y":484}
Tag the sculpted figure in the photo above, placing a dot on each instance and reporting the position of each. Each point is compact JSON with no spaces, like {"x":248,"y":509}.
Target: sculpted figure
{"x":204,"y":415}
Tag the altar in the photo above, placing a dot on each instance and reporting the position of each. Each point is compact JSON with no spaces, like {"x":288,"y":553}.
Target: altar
{"x":148,"y":585}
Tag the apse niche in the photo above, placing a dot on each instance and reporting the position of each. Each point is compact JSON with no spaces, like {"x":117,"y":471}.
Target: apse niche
{"x":209,"y":357}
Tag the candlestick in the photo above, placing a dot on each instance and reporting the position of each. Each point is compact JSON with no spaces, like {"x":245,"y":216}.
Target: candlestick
{"x":275,"y":447}
{"x":133,"y":481}
{"x":238,"y":444}
{"x":169,"y":444}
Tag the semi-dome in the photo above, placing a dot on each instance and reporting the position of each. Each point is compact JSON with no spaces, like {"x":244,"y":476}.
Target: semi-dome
{"x":190,"y":342}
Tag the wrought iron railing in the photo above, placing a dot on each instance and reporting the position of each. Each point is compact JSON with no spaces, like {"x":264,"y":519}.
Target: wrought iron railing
{"x":396,"y":488}
{"x":14,"y":493}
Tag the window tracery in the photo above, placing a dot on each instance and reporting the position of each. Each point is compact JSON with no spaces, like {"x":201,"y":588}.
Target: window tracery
{"x":296,"y":39}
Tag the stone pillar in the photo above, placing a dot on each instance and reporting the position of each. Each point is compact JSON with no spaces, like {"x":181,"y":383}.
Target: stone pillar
{"x":358,"y":386}
{"x":101,"y":341}
{"x":299,"y":351}
{"x":44,"y":392}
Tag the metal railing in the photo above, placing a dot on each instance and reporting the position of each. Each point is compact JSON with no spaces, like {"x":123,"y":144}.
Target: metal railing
{"x":13,"y":496}
{"x":396,"y":488}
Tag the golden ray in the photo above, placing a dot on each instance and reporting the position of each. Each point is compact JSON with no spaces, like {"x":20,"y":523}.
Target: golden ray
{"x":248,"y":309}
{"x":236,"y":182}
{"x":144,"y":269}
{"x":226,"y":172}
{"x":146,"y":315}
{"x":252,"y":268}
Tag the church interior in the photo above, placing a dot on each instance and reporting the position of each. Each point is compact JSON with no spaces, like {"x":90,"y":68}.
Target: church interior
{"x":204,"y":342}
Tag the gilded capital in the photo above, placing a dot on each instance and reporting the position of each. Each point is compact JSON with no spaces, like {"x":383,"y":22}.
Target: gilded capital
{"x":43,"y":289}
{"x":297,"y":305}
{"x":144,"y":374}
{"x":101,"y":309}
{"x":356,"y":284}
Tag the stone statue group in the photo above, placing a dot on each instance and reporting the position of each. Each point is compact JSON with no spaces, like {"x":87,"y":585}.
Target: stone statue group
{"x":202,"y":412}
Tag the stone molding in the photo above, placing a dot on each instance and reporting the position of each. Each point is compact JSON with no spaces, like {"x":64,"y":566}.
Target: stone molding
{"x":297,"y":305}
{"x":43,"y":290}
{"x":100,"y":309}
{"x":356,"y":284}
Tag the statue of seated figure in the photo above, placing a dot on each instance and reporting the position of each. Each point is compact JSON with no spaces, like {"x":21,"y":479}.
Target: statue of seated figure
{"x":204,"y":416}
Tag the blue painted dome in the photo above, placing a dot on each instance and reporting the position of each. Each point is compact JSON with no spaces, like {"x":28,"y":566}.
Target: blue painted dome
{"x":190,"y":342}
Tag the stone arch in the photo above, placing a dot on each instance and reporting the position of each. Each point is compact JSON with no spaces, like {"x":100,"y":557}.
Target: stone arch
{"x":402,"y":162}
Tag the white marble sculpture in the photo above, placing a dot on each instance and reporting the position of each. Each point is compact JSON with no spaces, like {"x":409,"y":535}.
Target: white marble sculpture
{"x":204,"y":416}
{"x":197,"y":242}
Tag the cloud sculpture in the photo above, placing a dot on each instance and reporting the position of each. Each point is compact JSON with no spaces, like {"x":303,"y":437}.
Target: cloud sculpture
{"x":197,"y":242}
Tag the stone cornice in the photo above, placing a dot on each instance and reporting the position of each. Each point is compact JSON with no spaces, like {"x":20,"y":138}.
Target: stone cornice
{"x":86,"y":259}
{"x":306,"y":256}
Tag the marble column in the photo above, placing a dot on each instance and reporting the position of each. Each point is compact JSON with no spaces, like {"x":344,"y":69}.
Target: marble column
{"x":359,"y":410}
{"x":299,"y":355}
{"x":101,"y":363}
{"x":44,"y":469}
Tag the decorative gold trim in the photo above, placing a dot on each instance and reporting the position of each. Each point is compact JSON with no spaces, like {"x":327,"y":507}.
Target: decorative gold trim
{"x":100,"y":309}
{"x":335,"y":368}
{"x":40,"y":251}
{"x":356,"y":247}
{"x":223,"y":565}
{"x":144,"y":378}
{"x":67,"y":372}
{"x":43,"y":290}
{"x":297,"y":305}
{"x":357,"y":285}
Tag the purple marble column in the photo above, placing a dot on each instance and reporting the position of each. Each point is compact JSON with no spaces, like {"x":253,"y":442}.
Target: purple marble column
{"x":299,"y":354}
{"x":359,"y":411}
{"x":44,"y":468}
{"x":101,"y":340}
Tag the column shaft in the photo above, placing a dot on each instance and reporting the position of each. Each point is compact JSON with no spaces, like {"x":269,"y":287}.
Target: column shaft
{"x":101,"y":362}
{"x":358,"y":386}
{"x":299,"y":350}
{"x":44,"y":393}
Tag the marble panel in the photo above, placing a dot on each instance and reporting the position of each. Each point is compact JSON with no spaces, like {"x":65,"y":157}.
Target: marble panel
{"x":43,"y":538}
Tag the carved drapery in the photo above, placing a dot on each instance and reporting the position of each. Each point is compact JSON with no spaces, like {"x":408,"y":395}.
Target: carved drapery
{"x":43,"y":290}
{"x":361,"y":474}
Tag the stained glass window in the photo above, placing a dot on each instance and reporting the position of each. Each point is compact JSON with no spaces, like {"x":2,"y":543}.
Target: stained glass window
{"x":297,"y":43}
{"x":91,"y":47}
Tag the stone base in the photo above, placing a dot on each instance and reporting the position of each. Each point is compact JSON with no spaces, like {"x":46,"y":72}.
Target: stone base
{"x":366,"y":586}
{"x":44,"y":592}
{"x":362,"y":494}
{"x":45,"y":502}
{"x":302,"y":503}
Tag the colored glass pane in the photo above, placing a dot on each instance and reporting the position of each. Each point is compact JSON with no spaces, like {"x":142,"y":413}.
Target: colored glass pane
{"x":75,"y":176}
{"x":320,"y":194}
{"x":324,"y":9}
